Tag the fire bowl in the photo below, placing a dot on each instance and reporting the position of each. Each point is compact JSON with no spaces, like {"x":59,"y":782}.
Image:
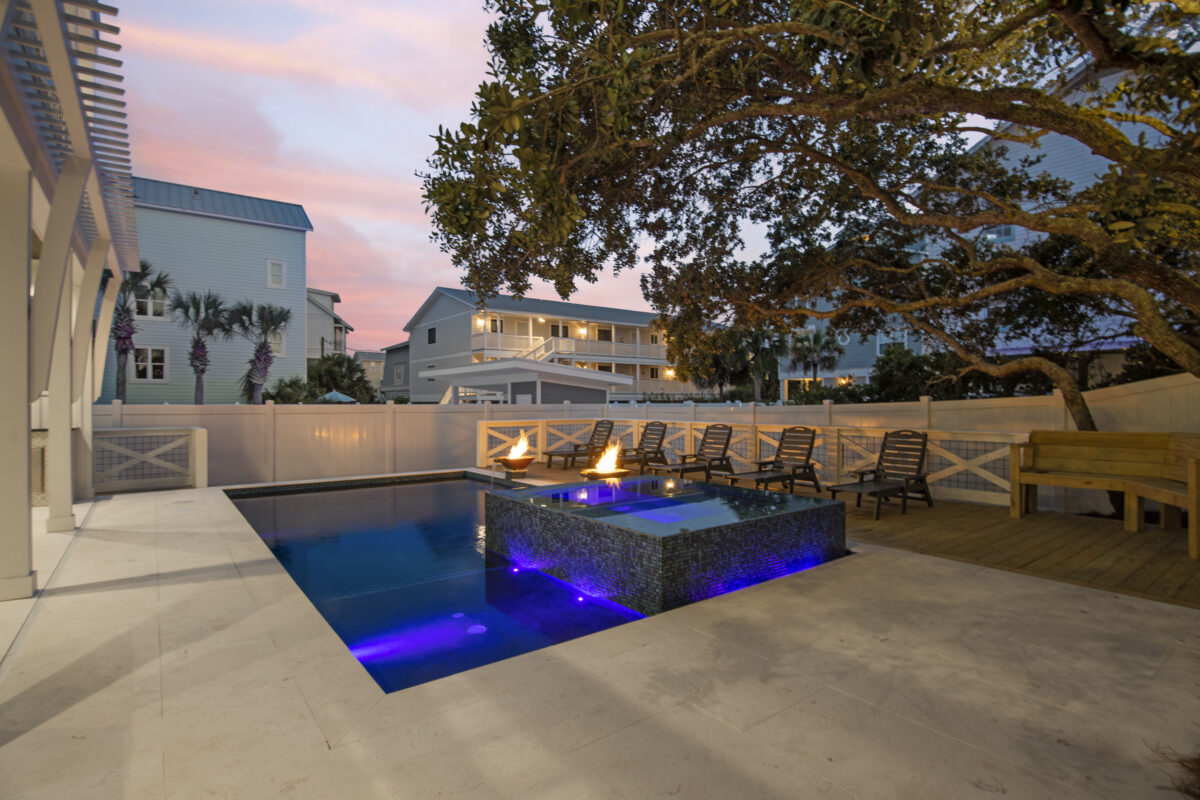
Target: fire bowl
{"x":516,"y":465}
{"x":596,"y":475}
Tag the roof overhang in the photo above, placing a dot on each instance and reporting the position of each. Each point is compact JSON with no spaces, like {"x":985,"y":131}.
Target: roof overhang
{"x":514,"y":370}
{"x":61,"y":93}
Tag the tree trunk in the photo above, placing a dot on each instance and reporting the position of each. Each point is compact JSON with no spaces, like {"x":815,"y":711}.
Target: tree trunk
{"x":1078,"y":407}
{"x":256,"y":394}
{"x":757,"y":388}
{"x":198,"y":398}
{"x":122,"y":370}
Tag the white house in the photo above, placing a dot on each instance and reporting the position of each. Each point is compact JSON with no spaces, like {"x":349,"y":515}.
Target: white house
{"x":527,"y":351}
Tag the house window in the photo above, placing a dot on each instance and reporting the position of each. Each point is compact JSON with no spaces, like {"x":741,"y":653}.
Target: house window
{"x":431,"y":366}
{"x":604,"y":367}
{"x":431,"y":336}
{"x":654,"y":338}
{"x":150,"y":364}
{"x":277,"y":343}
{"x":884,"y":338}
{"x":496,"y":325}
{"x":398,"y":375}
{"x":555,"y":331}
{"x":1000,"y":233}
{"x":276,"y":275}
{"x":604,"y":335}
{"x":149,"y":304}
{"x":654,"y":373}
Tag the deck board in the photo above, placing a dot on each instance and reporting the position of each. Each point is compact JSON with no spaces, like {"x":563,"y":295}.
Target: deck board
{"x":1089,"y":551}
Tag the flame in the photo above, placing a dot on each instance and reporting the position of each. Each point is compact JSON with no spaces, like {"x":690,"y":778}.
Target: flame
{"x":520,"y":447}
{"x":608,"y":461}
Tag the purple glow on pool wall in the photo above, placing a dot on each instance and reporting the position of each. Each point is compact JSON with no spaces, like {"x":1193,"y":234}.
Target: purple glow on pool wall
{"x":415,"y":642}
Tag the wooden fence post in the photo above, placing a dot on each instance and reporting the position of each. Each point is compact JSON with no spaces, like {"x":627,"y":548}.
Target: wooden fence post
{"x":269,"y":423}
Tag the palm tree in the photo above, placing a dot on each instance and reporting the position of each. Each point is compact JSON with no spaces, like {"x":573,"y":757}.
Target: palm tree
{"x":758,"y":351}
{"x":147,"y":286}
{"x":257,"y":324}
{"x":338,"y":372}
{"x":205,"y":315}
{"x":816,"y":351}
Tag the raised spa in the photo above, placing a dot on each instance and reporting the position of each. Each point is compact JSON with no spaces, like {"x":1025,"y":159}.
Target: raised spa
{"x":653,"y":543}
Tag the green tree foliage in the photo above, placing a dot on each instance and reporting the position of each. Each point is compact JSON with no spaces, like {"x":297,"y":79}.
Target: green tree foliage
{"x":338,"y":372}
{"x":843,"y":131}
{"x":291,"y":391}
{"x":257,"y":324}
{"x":725,"y":357}
{"x":204,"y":314}
{"x":816,"y":351}
{"x":144,"y":286}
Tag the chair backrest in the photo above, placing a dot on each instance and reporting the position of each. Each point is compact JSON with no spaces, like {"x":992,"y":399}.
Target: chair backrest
{"x":795,"y":446}
{"x":902,"y":454}
{"x":600,"y":433}
{"x":715,"y":441}
{"x":652,"y":437}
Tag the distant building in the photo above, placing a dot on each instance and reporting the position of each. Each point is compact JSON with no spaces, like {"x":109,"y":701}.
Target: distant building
{"x":527,"y":351}
{"x":394,"y":385}
{"x":372,"y":364}
{"x":242,"y":248}
{"x":326,"y":331}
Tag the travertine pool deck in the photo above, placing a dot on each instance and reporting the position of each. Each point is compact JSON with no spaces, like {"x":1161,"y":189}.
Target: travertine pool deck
{"x":171,"y":656}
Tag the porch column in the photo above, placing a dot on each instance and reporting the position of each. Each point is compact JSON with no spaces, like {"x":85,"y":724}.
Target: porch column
{"x":17,"y":577}
{"x":60,"y":475}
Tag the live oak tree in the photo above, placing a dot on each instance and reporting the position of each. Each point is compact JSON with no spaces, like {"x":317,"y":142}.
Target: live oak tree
{"x":609,"y":128}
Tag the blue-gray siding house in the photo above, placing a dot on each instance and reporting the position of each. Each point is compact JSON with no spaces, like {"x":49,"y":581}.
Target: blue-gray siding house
{"x":242,"y":248}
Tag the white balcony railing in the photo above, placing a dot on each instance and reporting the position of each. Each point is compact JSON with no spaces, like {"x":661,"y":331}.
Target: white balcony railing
{"x":583,"y":349}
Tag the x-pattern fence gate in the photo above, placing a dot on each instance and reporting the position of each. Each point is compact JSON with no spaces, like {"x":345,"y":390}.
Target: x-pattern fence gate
{"x":962,"y":465}
{"x":133,"y":459}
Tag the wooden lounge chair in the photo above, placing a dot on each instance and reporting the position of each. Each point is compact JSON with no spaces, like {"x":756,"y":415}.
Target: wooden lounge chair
{"x":790,"y":463}
{"x":649,"y":448}
{"x":712,"y":453}
{"x":590,"y":451}
{"x":898,"y":471}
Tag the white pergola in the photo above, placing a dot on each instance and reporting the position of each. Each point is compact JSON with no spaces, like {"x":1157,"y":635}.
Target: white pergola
{"x":66,"y":215}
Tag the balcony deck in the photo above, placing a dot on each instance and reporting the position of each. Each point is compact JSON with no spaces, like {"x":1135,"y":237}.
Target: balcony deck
{"x":1087,"y":551}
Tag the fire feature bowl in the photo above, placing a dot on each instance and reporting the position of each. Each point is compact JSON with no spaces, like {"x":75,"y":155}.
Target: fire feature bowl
{"x":597,"y":475}
{"x":516,"y":465}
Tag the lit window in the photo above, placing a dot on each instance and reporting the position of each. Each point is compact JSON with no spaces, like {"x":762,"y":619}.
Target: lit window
{"x":150,"y":364}
{"x":276,"y":275}
{"x":150,"y":304}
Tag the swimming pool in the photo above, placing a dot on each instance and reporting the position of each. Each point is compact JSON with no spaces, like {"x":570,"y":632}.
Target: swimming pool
{"x":401,"y":575}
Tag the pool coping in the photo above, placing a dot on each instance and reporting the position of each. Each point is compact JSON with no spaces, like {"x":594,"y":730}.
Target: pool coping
{"x":240,"y":490}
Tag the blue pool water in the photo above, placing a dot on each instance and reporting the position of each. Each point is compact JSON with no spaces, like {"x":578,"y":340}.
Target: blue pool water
{"x":401,"y":574}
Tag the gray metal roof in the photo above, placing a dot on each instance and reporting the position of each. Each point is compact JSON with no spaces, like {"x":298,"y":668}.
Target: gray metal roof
{"x":211,"y":203}
{"x":558,"y":309}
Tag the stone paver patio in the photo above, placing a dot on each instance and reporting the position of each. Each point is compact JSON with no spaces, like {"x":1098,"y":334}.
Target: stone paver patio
{"x":171,"y":656}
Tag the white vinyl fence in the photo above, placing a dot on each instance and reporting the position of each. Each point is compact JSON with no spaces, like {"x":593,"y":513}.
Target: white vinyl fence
{"x":267,"y":443}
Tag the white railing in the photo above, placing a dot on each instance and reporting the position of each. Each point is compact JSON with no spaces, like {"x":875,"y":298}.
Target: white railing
{"x":135,"y":459}
{"x":541,"y":348}
{"x":962,"y":465}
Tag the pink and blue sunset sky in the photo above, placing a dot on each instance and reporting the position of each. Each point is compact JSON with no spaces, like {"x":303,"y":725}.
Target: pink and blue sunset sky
{"x":327,"y":104}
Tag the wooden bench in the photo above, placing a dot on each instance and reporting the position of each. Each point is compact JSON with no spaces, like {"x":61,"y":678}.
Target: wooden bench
{"x":1142,"y":466}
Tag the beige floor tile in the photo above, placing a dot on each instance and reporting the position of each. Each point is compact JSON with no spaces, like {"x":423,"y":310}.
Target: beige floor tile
{"x":684,"y":752}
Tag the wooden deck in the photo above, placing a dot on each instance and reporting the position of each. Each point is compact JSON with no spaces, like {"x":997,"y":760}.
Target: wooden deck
{"x":1089,"y":551}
